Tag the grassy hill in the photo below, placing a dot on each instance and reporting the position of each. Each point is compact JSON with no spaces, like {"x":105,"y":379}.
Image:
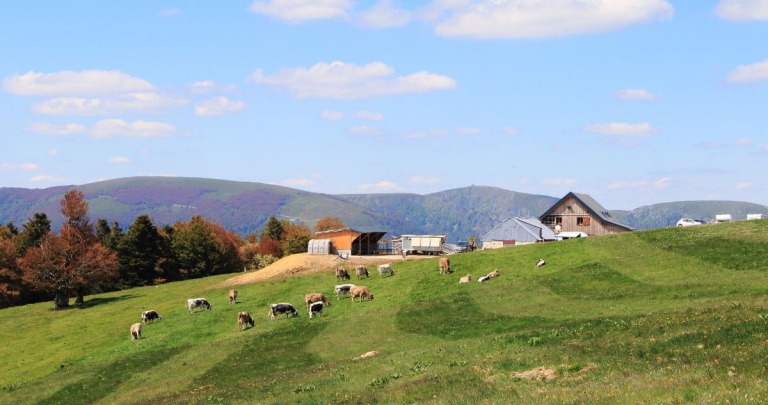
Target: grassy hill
{"x":673,"y":315}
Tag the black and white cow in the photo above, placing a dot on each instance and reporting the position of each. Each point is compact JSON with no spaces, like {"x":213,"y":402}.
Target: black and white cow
{"x":282,"y":308}
{"x":193,"y":303}
{"x":315,"y":308}
{"x":342,"y":289}
{"x":540,"y":263}
{"x":149,"y":316}
{"x":483,"y":279}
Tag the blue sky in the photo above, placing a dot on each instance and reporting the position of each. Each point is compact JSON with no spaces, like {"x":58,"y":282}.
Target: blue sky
{"x":634,"y":102}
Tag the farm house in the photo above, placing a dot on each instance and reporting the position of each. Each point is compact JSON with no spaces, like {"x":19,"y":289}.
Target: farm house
{"x":578,"y":212}
{"x":517,"y":231}
{"x":347,"y":241}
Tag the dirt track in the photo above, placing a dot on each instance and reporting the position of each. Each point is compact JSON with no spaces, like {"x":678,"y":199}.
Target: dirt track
{"x":303,"y":263}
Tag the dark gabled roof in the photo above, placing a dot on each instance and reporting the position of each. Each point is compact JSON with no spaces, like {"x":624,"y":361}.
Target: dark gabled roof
{"x":592,"y":206}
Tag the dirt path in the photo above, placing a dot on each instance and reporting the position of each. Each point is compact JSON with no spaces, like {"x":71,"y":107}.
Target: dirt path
{"x":303,"y":263}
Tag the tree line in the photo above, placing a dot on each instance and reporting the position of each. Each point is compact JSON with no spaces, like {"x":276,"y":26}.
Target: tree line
{"x":38,"y":264}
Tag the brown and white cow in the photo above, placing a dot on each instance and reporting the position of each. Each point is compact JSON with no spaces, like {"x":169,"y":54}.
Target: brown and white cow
{"x":232,"y":296}
{"x":494,"y":273}
{"x":316,"y":297}
{"x":136,"y":331}
{"x":465,"y":279}
{"x":361,"y":271}
{"x":445,"y":265}
{"x":341,"y":274}
{"x":360,"y":291}
{"x":244,"y":319}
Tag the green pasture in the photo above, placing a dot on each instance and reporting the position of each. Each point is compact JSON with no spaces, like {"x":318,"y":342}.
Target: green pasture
{"x":674,"y":315}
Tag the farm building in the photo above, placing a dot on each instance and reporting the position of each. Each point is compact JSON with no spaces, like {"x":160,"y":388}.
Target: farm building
{"x":423,"y":244}
{"x":517,"y":231}
{"x":578,"y":212}
{"x":347,"y":241}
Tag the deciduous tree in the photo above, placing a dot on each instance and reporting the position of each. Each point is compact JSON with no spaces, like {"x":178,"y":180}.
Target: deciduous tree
{"x":329,"y":223}
{"x":10,"y":274}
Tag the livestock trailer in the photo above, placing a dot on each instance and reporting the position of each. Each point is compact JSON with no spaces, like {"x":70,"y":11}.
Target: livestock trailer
{"x":422,"y":244}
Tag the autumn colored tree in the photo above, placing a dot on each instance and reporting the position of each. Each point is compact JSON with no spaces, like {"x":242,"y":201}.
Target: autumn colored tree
{"x":271,"y":247}
{"x":10,"y":274}
{"x":72,"y":262}
{"x":296,"y":238}
{"x":329,"y":223}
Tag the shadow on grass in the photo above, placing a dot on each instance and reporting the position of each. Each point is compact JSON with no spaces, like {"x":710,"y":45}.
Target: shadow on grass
{"x":103,"y":300}
{"x":457,"y":317}
{"x":106,"y":380}
{"x":734,"y":254}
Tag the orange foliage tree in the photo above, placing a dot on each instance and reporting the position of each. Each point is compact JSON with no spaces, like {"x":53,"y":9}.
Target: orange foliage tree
{"x":329,"y":223}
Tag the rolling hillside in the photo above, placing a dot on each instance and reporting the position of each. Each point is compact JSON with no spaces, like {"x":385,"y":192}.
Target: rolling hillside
{"x":244,"y":207}
{"x":675,"y":315}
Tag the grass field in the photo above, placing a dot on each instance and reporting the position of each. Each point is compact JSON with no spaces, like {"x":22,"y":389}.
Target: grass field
{"x":664,"y":316}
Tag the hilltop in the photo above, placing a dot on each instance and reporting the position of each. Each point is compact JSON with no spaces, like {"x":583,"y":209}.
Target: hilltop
{"x":675,"y":315}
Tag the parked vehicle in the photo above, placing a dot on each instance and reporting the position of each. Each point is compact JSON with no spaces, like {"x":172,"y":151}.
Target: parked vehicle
{"x":689,"y":222}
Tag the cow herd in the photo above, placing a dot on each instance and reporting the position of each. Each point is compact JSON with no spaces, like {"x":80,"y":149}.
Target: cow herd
{"x":314,"y":302}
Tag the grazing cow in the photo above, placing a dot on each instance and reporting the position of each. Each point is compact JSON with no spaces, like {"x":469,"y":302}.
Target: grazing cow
{"x":193,"y":303}
{"x":316,"y":297}
{"x":342,"y":289}
{"x":136,"y":331}
{"x":244,"y":319}
{"x":445,"y":265}
{"x":483,"y":279}
{"x":341,"y":274}
{"x":360,"y":291}
{"x":282,"y":308}
{"x":386,"y":269}
{"x":540,"y":263}
{"x":494,"y":273}
{"x":149,"y":316}
{"x":361,"y":271}
{"x":232,"y":296}
{"x":465,"y":279}
{"x":315,"y":308}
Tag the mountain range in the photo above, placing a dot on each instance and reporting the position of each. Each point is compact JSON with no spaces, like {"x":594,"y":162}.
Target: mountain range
{"x":244,"y":207}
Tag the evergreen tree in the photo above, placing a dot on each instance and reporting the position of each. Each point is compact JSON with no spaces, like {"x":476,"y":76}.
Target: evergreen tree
{"x":273,"y":229}
{"x":200,"y":251}
{"x":34,"y":230}
{"x":139,"y":252}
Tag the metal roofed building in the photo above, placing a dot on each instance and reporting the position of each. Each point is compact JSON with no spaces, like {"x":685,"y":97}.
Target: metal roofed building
{"x":348,"y":241}
{"x":517,"y":231}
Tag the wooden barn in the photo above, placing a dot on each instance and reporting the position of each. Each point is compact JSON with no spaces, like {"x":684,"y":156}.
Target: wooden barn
{"x":347,"y":241}
{"x":578,"y":212}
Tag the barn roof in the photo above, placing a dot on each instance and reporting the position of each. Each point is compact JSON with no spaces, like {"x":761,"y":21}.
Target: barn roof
{"x":511,"y":225}
{"x":592,"y":206}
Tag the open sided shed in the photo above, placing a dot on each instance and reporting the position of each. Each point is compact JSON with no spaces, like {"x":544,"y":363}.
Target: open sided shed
{"x":352,"y":242}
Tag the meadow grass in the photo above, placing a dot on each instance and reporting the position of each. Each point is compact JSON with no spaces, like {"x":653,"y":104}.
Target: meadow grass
{"x":662,"y":316}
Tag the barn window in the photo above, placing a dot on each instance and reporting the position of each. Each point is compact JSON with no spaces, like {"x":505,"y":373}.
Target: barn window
{"x":582,"y":221}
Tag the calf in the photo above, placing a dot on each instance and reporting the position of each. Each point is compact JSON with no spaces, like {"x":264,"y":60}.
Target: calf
{"x":149,"y":316}
{"x":317,"y":297}
{"x":282,"y":308}
{"x":465,"y":279}
{"x":342,"y":289}
{"x":540,"y":263}
{"x":341,"y":274}
{"x":232,"y":296}
{"x":483,"y":279}
{"x":361,"y":271}
{"x":386,"y":269}
{"x":315,"y":308}
{"x":445,"y":265}
{"x":360,"y":291}
{"x":493,"y":274}
{"x":136,"y":331}
{"x":244,"y":319}
{"x":193,"y":303}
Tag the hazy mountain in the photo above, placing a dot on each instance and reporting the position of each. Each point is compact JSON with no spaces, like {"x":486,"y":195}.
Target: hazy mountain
{"x":244,"y":206}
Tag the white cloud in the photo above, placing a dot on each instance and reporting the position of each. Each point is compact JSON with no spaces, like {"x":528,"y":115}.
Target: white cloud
{"x":12,"y":167}
{"x":218,"y":106}
{"x":511,"y":131}
{"x":331,"y":115}
{"x":743,"y":186}
{"x":384,"y":15}
{"x":368,"y":115}
{"x":743,"y":141}
{"x":131,"y":102}
{"x":41,"y":178}
{"x":742,"y":10}
{"x":83,"y":83}
{"x":365,"y":131}
{"x":208,"y":87}
{"x":423,"y":180}
{"x":56,"y":129}
{"x":542,"y":19}
{"x":432,"y":133}
{"x":138,"y":129}
{"x":635,"y":94}
{"x":53,"y":152}
{"x":119,"y":160}
{"x":298,"y":182}
{"x":302,"y":10}
{"x":621,"y":128}
{"x":559,"y":182}
{"x":467,"y":131}
{"x":662,"y":182}
{"x":349,"y":81}
{"x":749,"y":73}
{"x":384,"y":185}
